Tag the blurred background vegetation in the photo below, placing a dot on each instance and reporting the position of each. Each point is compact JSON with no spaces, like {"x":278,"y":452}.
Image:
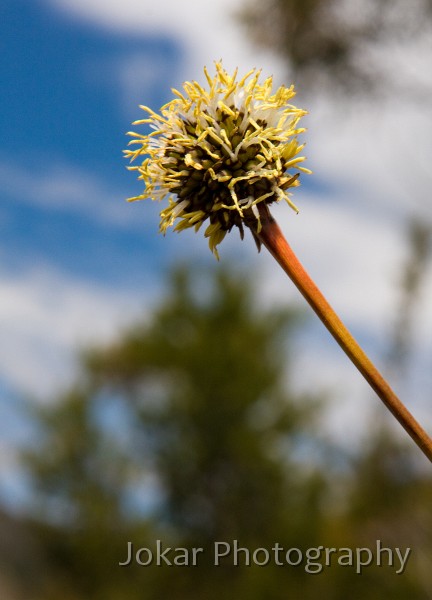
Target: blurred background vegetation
{"x":187,"y":429}
{"x":340,"y":49}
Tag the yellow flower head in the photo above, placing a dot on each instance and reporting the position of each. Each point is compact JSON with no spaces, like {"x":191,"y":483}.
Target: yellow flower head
{"x":217,"y":153}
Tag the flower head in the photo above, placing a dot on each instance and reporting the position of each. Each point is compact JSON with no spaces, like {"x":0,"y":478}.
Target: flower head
{"x":218,"y":153}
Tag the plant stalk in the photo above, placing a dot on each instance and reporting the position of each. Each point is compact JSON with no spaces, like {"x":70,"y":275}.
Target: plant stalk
{"x":273,"y":239}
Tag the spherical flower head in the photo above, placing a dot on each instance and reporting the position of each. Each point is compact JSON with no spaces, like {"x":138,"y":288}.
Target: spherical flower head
{"x":218,"y":153}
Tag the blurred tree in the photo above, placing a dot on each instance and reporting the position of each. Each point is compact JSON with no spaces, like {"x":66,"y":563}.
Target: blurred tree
{"x":390,"y":500}
{"x":346,"y":49}
{"x":334,"y":46}
{"x":413,"y":275}
{"x":190,"y":405}
{"x":184,"y":430}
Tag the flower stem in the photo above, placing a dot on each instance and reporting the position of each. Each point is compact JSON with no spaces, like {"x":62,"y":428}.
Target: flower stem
{"x":272,"y":238}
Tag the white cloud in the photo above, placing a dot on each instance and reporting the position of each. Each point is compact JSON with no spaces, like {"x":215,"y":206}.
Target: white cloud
{"x":139,"y":76}
{"x":66,"y":188}
{"x":137,"y":16}
{"x":135,"y":77}
{"x":375,"y":155}
{"x":207,"y":31}
{"x":45,"y":317}
{"x":352,"y":258}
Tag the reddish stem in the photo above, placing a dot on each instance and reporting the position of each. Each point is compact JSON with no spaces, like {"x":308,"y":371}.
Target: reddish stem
{"x":273,"y":239}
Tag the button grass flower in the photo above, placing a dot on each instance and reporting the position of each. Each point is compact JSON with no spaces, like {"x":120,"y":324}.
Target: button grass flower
{"x":219,"y":153}
{"x":222,"y":156}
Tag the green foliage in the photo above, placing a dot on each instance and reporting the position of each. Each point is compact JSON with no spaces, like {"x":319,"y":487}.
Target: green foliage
{"x":185,"y":430}
{"x":192,"y":404}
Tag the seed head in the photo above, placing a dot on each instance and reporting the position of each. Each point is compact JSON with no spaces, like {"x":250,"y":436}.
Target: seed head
{"x":218,"y":153}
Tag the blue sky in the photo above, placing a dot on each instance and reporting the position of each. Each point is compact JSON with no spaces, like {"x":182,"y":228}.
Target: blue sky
{"x":61,"y":124}
{"x":70,"y":244}
{"x":77,"y":261}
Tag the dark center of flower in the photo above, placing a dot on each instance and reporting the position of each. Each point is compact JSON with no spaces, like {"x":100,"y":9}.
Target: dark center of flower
{"x":207,"y":169}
